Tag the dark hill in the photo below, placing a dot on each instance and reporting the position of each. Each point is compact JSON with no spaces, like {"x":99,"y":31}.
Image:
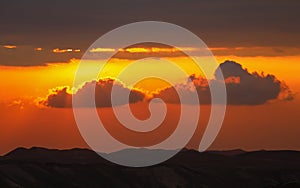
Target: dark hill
{"x":40,"y":167}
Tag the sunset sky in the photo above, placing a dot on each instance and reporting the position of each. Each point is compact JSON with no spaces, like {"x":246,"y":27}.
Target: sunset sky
{"x":41,"y":43}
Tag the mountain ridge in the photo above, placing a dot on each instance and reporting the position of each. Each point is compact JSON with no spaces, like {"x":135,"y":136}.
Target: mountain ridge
{"x":79,"y":167}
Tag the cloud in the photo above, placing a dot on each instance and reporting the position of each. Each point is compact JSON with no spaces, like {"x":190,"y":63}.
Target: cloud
{"x":219,"y":23}
{"x":36,"y":56}
{"x":57,"y":50}
{"x":9,"y":46}
{"x":144,"y":50}
{"x":253,"y":88}
{"x":243,"y":88}
{"x":38,"y":49}
{"x":62,"y":97}
{"x":155,"y":49}
{"x":150,"y":49}
{"x":97,"y":50}
{"x":254,"y":51}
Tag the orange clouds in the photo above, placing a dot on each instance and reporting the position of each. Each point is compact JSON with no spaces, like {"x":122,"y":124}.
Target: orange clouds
{"x":12,"y":55}
{"x":57,"y":50}
{"x":62,"y":98}
{"x":168,"y":51}
{"x":95,"y":50}
{"x":243,"y":88}
{"x":10,"y":46}
{"x":155,"y":49}
{"x":144,"y":50}
{"x":38,"y":49}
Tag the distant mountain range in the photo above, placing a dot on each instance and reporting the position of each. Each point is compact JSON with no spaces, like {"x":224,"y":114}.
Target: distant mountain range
{"x":40,"y":167}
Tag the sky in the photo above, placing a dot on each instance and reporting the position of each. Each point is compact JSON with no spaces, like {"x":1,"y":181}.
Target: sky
{"x":256,"y":45}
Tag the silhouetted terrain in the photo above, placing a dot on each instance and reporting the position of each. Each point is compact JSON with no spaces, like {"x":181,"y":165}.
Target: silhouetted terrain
{"x":39,"y":167}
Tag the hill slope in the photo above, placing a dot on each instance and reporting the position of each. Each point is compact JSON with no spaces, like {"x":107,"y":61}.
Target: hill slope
{"x":40,"y":167}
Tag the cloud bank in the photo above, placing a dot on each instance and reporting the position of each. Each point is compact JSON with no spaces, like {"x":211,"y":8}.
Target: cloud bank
{"x":243,"y":88}
{"x":61,"y":98}
{"x":77,"y":24}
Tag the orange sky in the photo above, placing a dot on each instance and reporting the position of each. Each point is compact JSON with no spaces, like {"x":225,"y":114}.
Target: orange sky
{"x":40,"y":52}
{"x":32,"y":82}
{"x":269,"y":126}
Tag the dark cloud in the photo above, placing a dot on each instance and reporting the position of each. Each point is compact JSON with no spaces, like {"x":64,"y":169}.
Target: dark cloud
{"x":61,"y":98}
{"x":265,"y":51}
{"x":28,"y":56}
{"x":243,"y":88}
{"x":162,"y":50}
{"x":76,"y":23}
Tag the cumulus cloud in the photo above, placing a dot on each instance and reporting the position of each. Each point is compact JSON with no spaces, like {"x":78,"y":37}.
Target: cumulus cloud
{"x":243,"y":88}
{"x":62,"y":98}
